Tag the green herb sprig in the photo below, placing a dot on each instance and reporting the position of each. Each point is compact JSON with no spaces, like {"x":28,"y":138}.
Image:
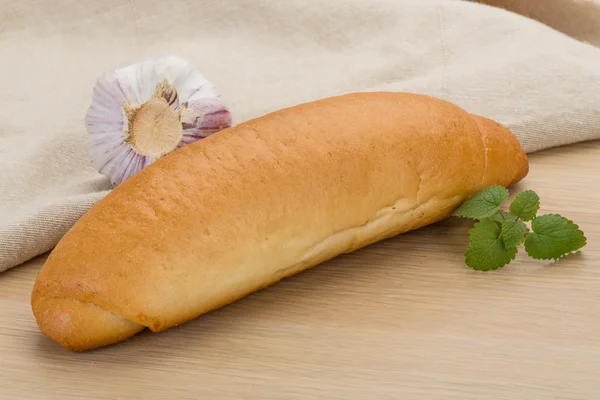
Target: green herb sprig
{"x":497,"y":234}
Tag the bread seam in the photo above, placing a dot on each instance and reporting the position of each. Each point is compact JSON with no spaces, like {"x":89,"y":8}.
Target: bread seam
{"x":306,"y":260}
{"x":485,"y":150}
{"x":418,"y":189}
{"x":418,"y":176}
{"x":95,"y":305}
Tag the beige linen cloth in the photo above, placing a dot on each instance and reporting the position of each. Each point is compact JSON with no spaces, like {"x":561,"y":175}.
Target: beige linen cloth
{"x":537,"y":73}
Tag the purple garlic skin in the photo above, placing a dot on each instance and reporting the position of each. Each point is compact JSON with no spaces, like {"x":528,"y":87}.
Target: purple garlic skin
{"x":144,"y":111}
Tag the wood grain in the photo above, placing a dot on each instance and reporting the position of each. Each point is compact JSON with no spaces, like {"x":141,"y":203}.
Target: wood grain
{"x":402,"y":319}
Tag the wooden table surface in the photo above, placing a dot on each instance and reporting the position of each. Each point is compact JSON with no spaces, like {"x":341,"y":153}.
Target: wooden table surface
{"x":402,"y":319}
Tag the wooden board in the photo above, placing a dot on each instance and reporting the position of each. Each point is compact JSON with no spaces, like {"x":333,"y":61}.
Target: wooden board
{"x":402,"y":319}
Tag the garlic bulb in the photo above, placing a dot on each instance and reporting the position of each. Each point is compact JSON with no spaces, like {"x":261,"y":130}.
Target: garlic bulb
{"x":142,"y":112}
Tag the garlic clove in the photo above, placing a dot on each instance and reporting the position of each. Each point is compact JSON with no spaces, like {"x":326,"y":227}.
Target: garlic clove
{"x":203,"y":117}
{"x":141,"y":112}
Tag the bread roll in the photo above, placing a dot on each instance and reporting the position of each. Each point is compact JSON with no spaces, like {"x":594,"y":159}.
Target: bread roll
{"x":228,"y":215}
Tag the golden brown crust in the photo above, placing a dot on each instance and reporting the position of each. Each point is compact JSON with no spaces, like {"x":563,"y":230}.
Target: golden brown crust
{"x":233,"y":213}
{"x":80,"y":326}
{"x":502,"y":149}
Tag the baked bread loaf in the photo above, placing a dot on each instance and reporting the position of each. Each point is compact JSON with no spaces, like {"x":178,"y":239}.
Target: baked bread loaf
{"x":228,"y":215}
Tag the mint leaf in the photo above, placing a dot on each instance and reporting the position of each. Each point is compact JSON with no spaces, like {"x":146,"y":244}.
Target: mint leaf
{"x":483,"y":204}
{"x":525,"y":205}
{"x":486,"y":251}
{"x":553,"y":236}
{"x":494,"y":239}
{"x":513,"y":233}
{"x":502,"y":216}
